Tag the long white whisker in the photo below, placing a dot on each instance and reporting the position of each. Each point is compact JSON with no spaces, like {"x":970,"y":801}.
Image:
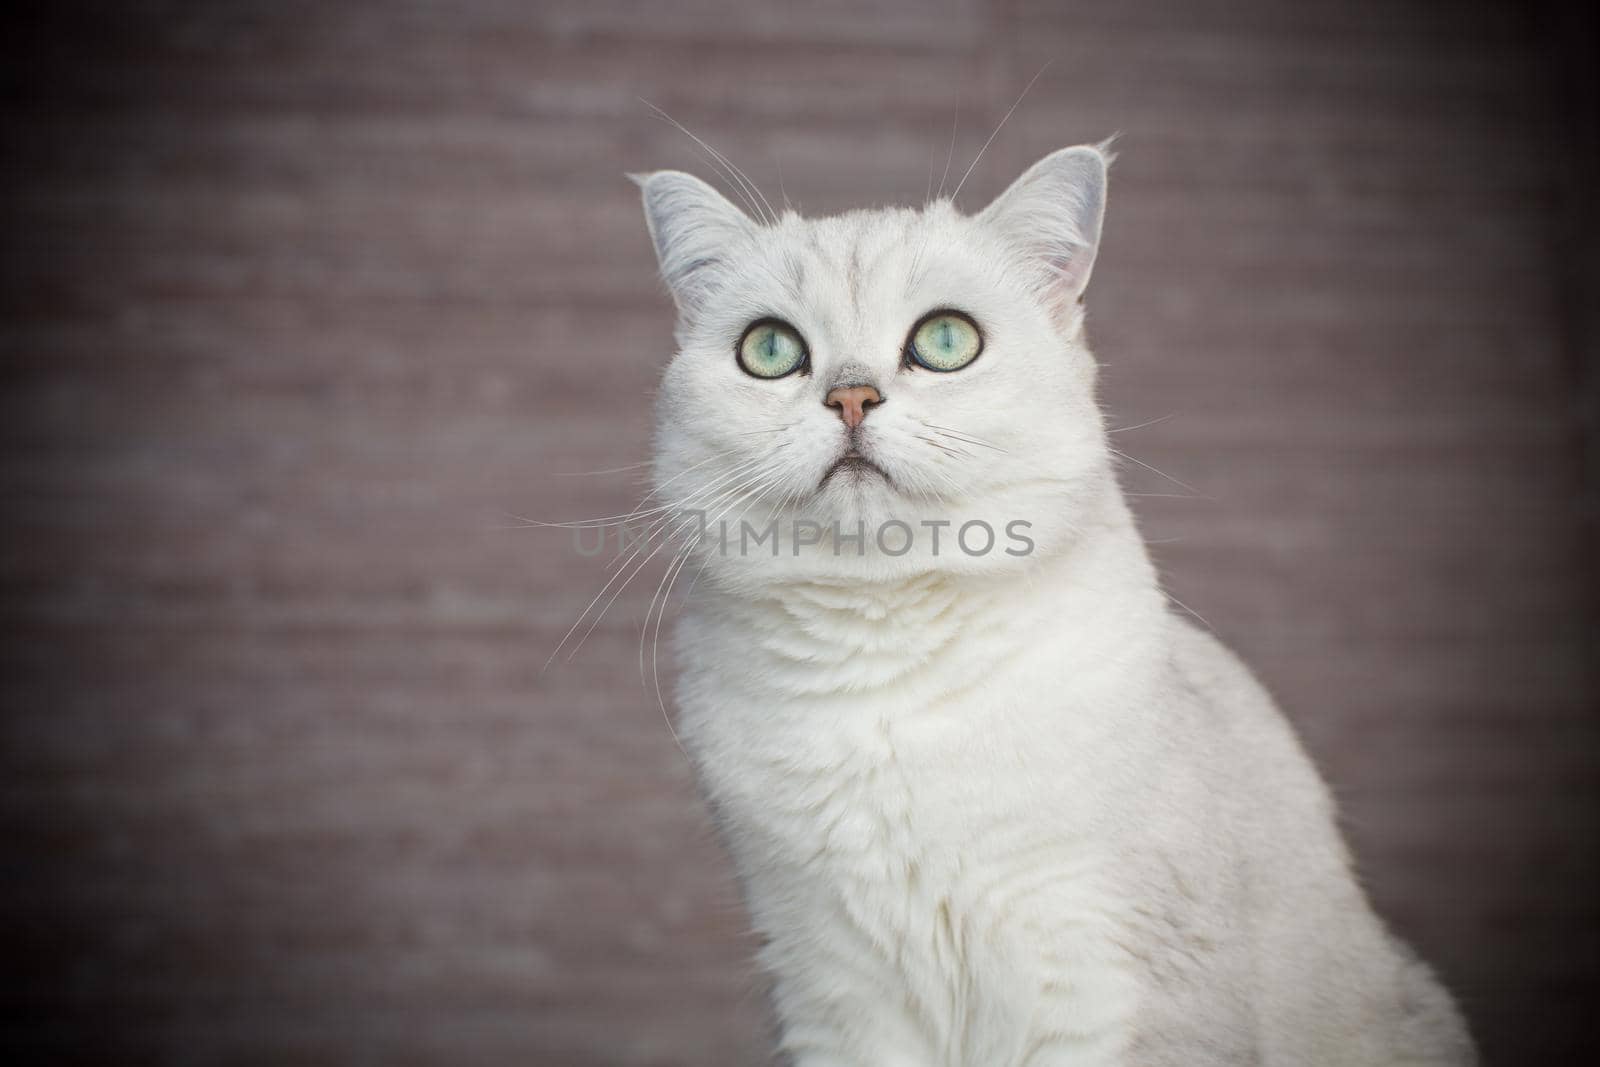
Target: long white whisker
{"x":601,"y":614}
{"x":755,"y":498}
{"x":946,"y":449}
{"x":1190,"y":610}
{"x":724,"y":171}
{"x":739,"y":175}
{"x":603,"y":470}
{"x":652,"y":606}
{"x":789,"y":496}
{"x":668,"y":512}
{"x":655,"y":648}
{"x":705,"y":501}
{"x":730,"y":497}
{"x":638,"y":512}
{"x":626,"y":558}
{"x":1157,"y":470}
{"x":996,"y":132}
{"x":1142,"y":425}
{"x":949,"y":155}
{"x":686,"y":471}
{"x":963,"y":435}
{"x":585,"y":614}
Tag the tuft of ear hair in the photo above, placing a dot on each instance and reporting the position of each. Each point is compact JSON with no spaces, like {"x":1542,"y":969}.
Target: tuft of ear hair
{"x":1054,"y":212}
{"x":691,"y":226}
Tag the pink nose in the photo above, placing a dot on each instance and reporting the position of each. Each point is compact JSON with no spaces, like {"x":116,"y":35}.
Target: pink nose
{"x":853,"y":402}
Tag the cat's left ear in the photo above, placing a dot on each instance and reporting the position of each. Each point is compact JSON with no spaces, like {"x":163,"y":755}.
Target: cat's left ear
{"x":1054,"y":211}
{"x":691,"y":226}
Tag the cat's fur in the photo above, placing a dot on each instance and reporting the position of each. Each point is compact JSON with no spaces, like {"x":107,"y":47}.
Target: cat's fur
{"x":987,"y":810}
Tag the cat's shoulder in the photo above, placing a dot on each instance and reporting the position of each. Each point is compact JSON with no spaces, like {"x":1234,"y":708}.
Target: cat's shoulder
{"x":1198,"y":660}
{"x":1229,"y":704}
{"x":1221,"y":690}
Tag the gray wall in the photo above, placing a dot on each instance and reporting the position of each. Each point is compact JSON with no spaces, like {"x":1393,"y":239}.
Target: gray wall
{"x":302,"y":301}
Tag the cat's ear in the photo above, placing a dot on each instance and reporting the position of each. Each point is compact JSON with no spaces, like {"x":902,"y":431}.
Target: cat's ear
{"x":1054,"y":211}
{"x":691,"y":226}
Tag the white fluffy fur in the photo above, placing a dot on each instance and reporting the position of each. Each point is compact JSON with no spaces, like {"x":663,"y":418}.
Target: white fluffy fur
{"x":991,"y":810}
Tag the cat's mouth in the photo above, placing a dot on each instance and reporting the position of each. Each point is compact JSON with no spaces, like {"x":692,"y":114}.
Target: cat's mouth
{"x":855,"y":466}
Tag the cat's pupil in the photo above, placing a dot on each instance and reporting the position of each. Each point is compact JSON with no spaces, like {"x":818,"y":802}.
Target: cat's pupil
{"x":946,"y":336}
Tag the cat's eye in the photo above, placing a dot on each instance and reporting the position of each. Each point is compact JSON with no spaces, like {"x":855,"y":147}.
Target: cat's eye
{"x":944,"y":341}
{"x":771,"y":348}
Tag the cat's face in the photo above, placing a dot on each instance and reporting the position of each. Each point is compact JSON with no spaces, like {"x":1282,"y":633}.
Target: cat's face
{"x":881,"y":367}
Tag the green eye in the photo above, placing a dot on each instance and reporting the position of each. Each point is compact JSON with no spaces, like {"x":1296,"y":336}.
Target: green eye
{"x":945,"y":341}
{"x":771,"y":349}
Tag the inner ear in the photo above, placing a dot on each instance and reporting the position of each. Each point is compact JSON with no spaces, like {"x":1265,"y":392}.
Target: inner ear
{"x":691,"y":226}
{"x":1054,"y":213}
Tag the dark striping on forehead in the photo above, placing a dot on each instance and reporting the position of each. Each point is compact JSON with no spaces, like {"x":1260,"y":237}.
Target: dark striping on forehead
{"x":852,"y":276}
{"x":862,"y":250}
{"x":795,"y":264}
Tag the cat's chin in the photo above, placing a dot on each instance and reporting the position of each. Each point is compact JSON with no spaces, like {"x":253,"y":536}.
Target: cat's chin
{"x":857,"y":490}
{"x":853,"y":470}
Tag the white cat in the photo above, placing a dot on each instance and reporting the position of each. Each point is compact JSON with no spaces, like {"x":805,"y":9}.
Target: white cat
{"x":989,"y":808}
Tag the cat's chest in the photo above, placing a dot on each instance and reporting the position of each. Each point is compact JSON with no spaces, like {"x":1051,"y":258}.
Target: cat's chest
{"x":922,"y":807}
{"x":942,"y":885}
{"x":940,"y":836}
{"x":885,"y":726}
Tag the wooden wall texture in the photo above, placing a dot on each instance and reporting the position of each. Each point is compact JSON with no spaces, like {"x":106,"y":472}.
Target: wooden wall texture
{"x":302,"y":300}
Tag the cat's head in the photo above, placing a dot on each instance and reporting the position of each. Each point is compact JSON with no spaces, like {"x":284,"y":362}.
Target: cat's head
{"x":883,"y":370}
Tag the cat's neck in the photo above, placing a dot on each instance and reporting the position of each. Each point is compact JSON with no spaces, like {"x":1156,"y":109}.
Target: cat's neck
{"x":922,"y":633}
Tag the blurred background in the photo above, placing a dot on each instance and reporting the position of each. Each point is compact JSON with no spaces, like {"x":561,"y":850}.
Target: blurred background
{"x":303,"y":301}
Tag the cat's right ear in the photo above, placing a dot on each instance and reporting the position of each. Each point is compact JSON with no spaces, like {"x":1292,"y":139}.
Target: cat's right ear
{"x":1054,"y":211}
{"x":691,"y":225}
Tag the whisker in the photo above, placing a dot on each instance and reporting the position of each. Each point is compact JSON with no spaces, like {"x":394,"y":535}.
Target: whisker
{"x":688,"y":470}
{"x":1142,"y":425}
{"x":949,"y":153}
{"x":708,"y":492}
{"x":1190,"y":610}
{"x":946,"y":449}
{"x":914,"y":270}
{"x":627,"y":557}
{"x":687,"y":593}
{"x":963,"y":435}
{"x":740,"y":176}
{"x":775,"y":483}
{"x":638,"y":512}
{"x":613,"y":599}
{"x":706,"y":500}
{"x":965,"y":441}
{"x":655,"y":647}
{"x":997,"y":130}
{"x":603,"y":470}
{"x":650,"y":609}
{"x":1157,"y":470}
{"x":753,"y":495}
{"x":584,"y":614}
